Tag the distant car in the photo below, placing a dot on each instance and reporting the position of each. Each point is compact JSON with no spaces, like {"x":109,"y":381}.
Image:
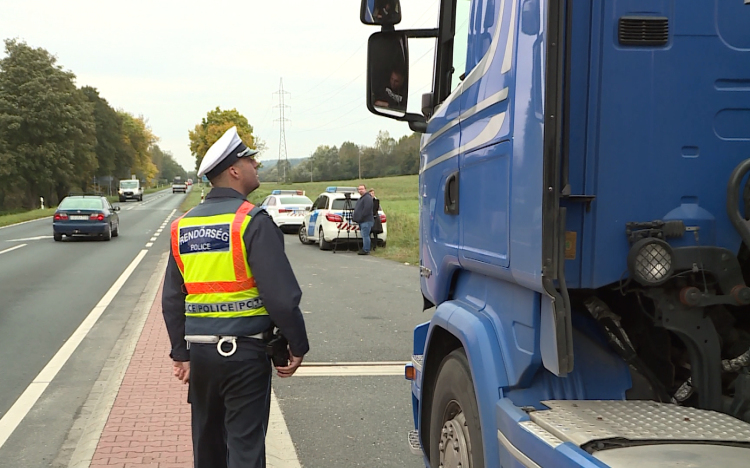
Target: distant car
{"x":287,"y":208}
{"x":330,"y":219}
{"x":179,"y":185}
{"x":86,"y":215}
{"x":189,"y":182}
{"x":130,"y":188}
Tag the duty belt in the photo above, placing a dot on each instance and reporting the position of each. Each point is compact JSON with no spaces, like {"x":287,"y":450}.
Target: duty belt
{"x":220,"y":340}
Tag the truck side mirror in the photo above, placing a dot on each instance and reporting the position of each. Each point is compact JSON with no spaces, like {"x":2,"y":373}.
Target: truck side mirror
{"x":388,"y":74}
{"x":380,"y":12}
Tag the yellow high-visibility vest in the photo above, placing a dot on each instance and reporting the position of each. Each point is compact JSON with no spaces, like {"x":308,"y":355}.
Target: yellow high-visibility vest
{"x":211,"y":255}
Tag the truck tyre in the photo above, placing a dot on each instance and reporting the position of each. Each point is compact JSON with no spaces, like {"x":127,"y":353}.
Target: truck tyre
{"x":322,"y":242}
{"x":455,"y":432}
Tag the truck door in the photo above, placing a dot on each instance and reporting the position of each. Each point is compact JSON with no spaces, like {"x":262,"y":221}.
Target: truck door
{"x":485,"y":147}
{"x":439,"y":178}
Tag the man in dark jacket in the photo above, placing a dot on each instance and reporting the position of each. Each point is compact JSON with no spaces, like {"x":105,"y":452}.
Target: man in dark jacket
{"x":363,"y":216}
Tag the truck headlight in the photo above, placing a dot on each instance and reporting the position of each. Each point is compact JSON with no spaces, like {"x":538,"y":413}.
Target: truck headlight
{"x":650,"y":261}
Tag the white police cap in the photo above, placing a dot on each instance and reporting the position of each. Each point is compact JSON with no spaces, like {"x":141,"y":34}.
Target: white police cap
{"x":223,"y":154}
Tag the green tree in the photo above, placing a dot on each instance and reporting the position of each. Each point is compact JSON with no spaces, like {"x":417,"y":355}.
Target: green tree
{"x":407,"y":153}
{"x":349,"y":160}
{"x":166,"y":164}
{"x":112,"y":153}
{"x":213,"y":126}
{"x":139,"y":139}
{"x":46,"y":124}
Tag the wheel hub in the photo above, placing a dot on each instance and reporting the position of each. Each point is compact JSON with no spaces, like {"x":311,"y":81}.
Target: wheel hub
{"x":455,"y":443}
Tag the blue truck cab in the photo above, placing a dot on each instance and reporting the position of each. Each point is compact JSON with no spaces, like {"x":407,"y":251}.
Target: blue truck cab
{"x":584,"y":234}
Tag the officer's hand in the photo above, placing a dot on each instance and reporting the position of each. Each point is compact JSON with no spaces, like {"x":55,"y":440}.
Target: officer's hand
{"x":181,"y":370}
{"x":289,"y":370}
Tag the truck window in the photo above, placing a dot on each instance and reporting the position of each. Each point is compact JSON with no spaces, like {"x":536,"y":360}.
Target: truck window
{"x":460,"y":41}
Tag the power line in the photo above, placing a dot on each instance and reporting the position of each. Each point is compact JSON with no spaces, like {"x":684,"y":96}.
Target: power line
{"x":358,"y":106}
{"x":307,"y":93}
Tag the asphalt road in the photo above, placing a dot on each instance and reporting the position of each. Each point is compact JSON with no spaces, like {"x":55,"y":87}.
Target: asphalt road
{"x":47,"y":289}
{"x":357,"y":309}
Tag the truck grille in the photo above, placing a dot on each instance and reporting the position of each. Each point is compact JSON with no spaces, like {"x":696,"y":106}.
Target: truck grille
{"x":643,"y":31}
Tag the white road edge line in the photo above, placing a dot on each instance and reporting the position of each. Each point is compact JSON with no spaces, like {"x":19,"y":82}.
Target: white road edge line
{"x":29,"y":397}
{"x":280,"y":452}
{"x":333,"y":371}
{"x":12,"y":248}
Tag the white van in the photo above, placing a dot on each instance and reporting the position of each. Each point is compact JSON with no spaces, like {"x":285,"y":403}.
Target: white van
{"x":130,"y":188}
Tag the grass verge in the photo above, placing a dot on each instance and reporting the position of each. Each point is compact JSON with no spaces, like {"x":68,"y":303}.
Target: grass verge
{"x":7,"y":220}
{"x":398,"y":198}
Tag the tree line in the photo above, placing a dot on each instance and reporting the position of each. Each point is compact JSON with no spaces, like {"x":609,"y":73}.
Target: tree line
{"x":56,"y":138}
{"x":387,"y":157}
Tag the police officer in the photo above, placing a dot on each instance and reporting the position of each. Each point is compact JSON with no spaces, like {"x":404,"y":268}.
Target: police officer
{"x":227,"y":281}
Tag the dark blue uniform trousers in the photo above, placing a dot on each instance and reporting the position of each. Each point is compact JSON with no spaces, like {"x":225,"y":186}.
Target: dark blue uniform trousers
{"x":230,"y":399}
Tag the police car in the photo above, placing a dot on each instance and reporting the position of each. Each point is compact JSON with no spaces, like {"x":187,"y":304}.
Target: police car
{"x":287,"y":208}
{"x":330,"y":219}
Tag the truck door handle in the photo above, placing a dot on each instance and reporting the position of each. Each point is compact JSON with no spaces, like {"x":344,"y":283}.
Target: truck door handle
{"x":451,"y":194}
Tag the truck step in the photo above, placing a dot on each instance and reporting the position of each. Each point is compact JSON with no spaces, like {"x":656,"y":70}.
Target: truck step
{"x":414,"y":445}
{"x":584,"y":421}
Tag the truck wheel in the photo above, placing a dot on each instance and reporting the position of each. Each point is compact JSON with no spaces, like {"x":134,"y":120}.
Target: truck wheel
{"x":322,"y":242}
{"x":455,"y":432}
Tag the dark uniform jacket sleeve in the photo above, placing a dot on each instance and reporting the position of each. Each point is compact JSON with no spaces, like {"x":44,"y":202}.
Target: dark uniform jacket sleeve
{"x":277,"y":285}
{"x":173,"y":308}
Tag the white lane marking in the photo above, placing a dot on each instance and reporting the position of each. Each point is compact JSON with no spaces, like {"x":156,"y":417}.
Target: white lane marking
{"x":149,"y":244}
{"x":25,"y":222}
{"x":280,"y":452}
{"x":12,"y":248}
{"x":29,"y":397}
{"x":153,"y":239}
{"x":349,"y":369}
{"x":158,"y":231}
{"x":29,"y":239}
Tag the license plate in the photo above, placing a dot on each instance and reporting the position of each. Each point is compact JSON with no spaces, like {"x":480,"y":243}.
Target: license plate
{"x":78,"y":218}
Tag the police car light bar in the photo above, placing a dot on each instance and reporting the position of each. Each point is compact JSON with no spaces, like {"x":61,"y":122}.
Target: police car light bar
{"x":288,"y":192}
{"x":340,"y":189}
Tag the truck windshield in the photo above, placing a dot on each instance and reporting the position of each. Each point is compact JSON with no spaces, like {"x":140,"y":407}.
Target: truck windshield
{"x":129,"y":184}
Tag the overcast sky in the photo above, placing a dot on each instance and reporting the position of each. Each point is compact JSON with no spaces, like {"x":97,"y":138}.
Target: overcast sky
{"x":173,"y":61}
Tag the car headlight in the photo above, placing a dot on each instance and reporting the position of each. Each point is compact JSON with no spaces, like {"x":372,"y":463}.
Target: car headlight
{"x":650,"y":261}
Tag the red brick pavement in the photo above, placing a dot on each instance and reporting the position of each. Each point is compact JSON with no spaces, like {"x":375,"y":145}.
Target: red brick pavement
{"x":149,"y":425}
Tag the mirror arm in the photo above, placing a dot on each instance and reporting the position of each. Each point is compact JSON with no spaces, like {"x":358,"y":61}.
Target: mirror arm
{"x":420,"y":32}
{"x":419,"y":127}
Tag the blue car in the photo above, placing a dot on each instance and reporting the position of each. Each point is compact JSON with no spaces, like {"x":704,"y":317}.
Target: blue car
{"x":86,"y":215}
